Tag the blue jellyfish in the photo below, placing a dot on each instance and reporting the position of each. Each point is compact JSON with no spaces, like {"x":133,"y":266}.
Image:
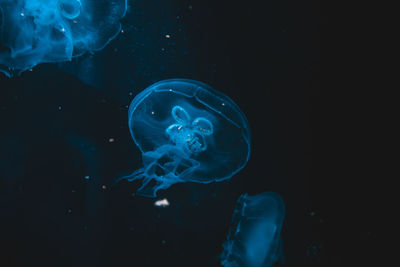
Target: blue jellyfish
{"x":40,"y":31}
{"x":187,"y":132}
{"x":254,"y":237}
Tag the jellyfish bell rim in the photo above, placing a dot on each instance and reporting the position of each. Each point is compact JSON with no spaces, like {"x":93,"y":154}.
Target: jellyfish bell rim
{"x":147,"y":92}
{"x":240,"y":207}
{"x":196,"y":87}
{"x":239,"y":217}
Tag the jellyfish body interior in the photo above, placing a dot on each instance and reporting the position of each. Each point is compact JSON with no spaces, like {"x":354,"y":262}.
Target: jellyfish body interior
{"x":40,"y":31}
{"x":254,"y":239}
{"x":70,"y":8}
{"x":187,"y":132}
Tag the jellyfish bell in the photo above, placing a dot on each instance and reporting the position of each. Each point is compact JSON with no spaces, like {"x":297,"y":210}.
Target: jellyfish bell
{"x":254,"y":238}
{"x":189,"y":133}
{"x":70,"y":8}
{"x":53,"y":31}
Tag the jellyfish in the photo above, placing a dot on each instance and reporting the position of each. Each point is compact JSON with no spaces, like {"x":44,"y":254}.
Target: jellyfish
{"x":42,"y":31}
{"x":254,"y":237}
{"x":186,"y":132}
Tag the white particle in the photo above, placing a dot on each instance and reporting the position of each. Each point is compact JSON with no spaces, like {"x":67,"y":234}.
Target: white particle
{"x":161,"y":203}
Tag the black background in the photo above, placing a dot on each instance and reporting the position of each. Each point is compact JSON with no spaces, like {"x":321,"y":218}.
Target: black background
{"x":56,"y":124}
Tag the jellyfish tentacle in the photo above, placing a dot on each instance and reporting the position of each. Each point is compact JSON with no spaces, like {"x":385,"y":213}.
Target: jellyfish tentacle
{"x":138,"y":174}
{"x":150,"y":186}
{"x":146,"y":189}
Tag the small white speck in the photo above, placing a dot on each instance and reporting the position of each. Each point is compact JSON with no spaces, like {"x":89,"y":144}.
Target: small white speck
{"x":161,"y":203}
{"x":152,"y":113}
{"x":22,"y":14}
{"x":59,"y":107}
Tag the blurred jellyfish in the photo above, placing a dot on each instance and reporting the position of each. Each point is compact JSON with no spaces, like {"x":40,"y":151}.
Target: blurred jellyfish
{"x":254,"y":237}
{"x":187,"y":132}
{"x":40,"y":31}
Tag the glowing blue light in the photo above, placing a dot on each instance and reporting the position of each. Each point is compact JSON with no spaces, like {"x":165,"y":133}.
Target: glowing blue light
{"x":188,"y":135}
{"x":70,"y":9}
{"x":187,"y":132}
{"x":254,"y":237}
{"x":40,"y":31}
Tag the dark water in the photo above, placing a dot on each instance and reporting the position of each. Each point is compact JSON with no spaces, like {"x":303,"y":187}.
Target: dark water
{"x":62,"y":122}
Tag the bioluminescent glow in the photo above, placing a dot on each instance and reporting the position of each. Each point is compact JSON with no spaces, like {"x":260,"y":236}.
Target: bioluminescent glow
{"x":40,"y":31}
{"x":254,"y":237}
{"x":187,"y":132}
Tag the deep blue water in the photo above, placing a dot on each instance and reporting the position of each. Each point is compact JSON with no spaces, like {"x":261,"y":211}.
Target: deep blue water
{"x":64,"y":139}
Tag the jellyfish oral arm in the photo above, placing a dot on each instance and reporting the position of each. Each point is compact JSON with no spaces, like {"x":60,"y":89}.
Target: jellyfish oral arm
{"x":163,"y":168}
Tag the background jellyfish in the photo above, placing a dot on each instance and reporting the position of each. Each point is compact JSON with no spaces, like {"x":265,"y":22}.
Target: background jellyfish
{"x":254,"y":237}
{"x":40,"y":31}
{"x":186,"y":131}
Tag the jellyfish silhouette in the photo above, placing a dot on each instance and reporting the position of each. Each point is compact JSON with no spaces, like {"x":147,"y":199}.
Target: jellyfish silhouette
{"x":40,"y":31}
{"x":187,"y":132}
{"x":254,"y":237}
